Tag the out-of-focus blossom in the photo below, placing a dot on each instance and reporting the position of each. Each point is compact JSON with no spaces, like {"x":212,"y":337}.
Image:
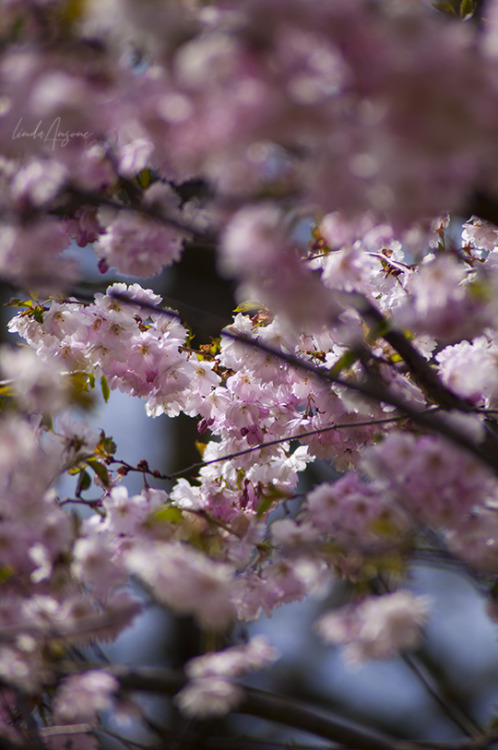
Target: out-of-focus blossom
{"x":377,"y":627}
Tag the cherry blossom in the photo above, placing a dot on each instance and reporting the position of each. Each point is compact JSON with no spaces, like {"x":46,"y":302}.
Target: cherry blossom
{"x":337,"y":160}
{"x":210,"y":691}
{"x":209,"y":696}
{"x":81,"y":697}
{"x":185,"y":580}
{"x":377,"y":627}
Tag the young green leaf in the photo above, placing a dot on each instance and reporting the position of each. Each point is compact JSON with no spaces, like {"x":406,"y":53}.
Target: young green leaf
{"x":106,"y":391}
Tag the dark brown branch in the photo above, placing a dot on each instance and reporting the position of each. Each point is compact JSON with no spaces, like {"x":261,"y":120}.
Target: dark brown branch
{"x":265,"y":705}
{"x":374,"y":391}
{"x":290,"y":712}
{"x":92,"y":624}
{"x":423,"y":374}
{"x":77,"y":198}
{"x":293,"y":713}
{"x":379,"y":394}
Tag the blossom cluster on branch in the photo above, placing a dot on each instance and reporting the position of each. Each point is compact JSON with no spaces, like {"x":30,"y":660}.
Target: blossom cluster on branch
{"x":336,"y":151}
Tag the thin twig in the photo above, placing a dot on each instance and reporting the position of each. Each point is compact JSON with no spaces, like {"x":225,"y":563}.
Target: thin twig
{"x":450,"y":708}
{"x":454,"y":712}
{"x":88,"y":625}
{"x":259,"y":446}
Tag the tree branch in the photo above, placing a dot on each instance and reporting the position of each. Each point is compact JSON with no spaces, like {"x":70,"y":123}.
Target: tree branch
{"x":423,"y":374}
{"x":454,"y":712}
{"x":264,"y":705}
{"x":284,"y":710}
{"x":81,"y":199}
{"x":371,"y":390}
{"x":229,"y":456}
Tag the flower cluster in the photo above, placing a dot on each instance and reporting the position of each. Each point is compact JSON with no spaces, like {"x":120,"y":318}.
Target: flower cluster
{"x":210,"y":690}
{"x":143,"y":356}
{"x":377,"y":627}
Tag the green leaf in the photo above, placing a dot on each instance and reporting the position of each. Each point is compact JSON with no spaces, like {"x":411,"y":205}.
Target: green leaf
{"x":110,"y":445}
{"x":38,"y":314}
{"x":378,"y":330}
{"x":345,"y":362}
{"x":144,"y":178}
{"x":275,"y":494}
{"x":106,"y":444}
{"x":480,"y":290}
{"x":100,"y":470}
{"x":84,"y":482}
{"x":79,"y":381}
{"x":168,"y":514}
{"x":71,"y":12}
{"x":264,"y":505}
{"x":106,"y":391}
{"x":445,"y":8}
{"x":6,"y":572}
{"x":383,"y":527}
{"x":215,"y":346}
{"x":250,"y":306}
{"x":201,"y":447}
{"x":467,"y":9}
{"x":80,"y":386}
{"x":271,"y":496}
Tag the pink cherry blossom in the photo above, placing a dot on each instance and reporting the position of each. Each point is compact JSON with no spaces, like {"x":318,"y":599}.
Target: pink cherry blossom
{"x":377,"y":627}
{"x":185,"y":580}
{"x":81,"y":697}
{"x":208,"y":696}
